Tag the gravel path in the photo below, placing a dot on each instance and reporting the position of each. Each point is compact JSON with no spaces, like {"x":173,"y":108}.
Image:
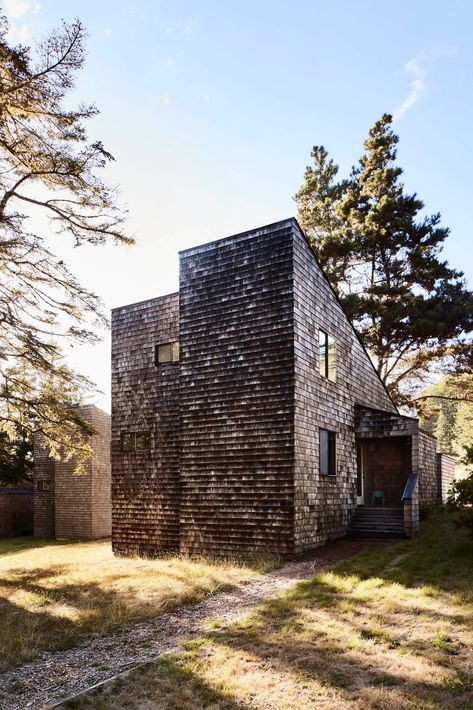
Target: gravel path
{"x":61,"y":674}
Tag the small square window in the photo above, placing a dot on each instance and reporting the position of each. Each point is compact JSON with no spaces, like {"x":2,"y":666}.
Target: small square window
{"x":43,"y":485}
{"x":128,"y":442}
{"x":143,"y":441}
{"x":167,"y":352}
{"x":136,"y":441}
{"x":327,"y":452}
{"x":327,"y":356}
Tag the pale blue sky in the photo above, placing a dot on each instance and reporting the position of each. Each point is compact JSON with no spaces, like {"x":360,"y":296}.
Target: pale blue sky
{"x":211,"y":109}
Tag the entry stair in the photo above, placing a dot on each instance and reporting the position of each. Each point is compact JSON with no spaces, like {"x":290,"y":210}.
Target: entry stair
{"x":377,"y":523}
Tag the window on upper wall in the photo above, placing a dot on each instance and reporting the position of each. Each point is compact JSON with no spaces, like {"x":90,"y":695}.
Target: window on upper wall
{"x":166,"y":352}
{"x":135,"y":441}
{"x":327,"y":356}
{"x":327,"y":452}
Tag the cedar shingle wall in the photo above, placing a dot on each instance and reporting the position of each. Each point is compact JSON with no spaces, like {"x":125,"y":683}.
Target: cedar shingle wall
{"x":77,"y":506}
{"x":101,"y":474}
{"x":73,"y":501}
{"x":236,"y":394}
{"x":43,"y":514}
{"x":145,"y":485}
{"x":427,"y":469}
{"x":82,"y":502}
{"x":323,"y":504}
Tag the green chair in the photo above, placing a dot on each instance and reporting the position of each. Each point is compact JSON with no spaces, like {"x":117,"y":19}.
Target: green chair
{"x":377,"y":499}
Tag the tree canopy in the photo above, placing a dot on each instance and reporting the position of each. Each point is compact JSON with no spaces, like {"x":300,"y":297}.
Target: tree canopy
{"x":383,"y":255}
{"x":47,"y":167}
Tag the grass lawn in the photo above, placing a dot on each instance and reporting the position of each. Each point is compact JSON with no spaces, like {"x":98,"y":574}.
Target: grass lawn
{"x":54,"y":595}
{"x":389,"y":629}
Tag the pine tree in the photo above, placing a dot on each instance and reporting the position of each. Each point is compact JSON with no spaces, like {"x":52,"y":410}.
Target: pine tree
{"x":318,"y":203}
{"x":47,"y":165}
{"x":411,"y":309}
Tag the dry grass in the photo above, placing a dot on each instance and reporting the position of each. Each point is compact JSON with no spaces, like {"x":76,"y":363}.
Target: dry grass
{"x":54,"y":595}
{"x":391,"y":629}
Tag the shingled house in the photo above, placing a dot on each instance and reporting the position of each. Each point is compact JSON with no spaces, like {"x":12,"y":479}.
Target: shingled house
{"x":70,"y":506}
{"x":247,"y":416}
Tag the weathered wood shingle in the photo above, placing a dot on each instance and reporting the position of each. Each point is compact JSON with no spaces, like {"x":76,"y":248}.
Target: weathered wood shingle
{"x":145,"y":398}
{"x":236,"y":394}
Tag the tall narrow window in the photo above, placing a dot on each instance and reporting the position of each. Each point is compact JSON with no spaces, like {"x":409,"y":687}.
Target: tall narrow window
{"x":327,"y":356}
{"x":166,"y":352}
{"x":328,"y":452}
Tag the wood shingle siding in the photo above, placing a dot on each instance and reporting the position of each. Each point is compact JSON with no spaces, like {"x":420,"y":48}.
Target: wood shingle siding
{"x":71,"y":506}
{"x":236,"y":395}
{"x":233,"y":464}
{"x":145,"y":398}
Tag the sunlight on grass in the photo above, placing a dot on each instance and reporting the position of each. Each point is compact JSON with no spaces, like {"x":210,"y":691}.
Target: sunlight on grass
{"x":388,"y":630}
{"x":54,"y":595}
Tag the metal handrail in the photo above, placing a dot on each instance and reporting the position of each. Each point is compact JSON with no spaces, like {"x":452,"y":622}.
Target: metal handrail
{"x":410,"y":486}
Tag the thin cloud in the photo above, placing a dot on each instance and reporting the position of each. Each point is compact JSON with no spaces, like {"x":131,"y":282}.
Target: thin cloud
{"x":181,"y":26}
{"x":418,"y":69}
{"x":15,"y":10}
{"x":165,"y":98}
{"x":108,"y":32}
{"x":19,"y":33}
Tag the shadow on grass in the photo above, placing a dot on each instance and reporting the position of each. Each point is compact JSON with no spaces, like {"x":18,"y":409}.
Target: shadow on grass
{"x":164,"y":684}
{"x":354,"y":628}
{"x":50,"y":619}
{"x":42,"y":610}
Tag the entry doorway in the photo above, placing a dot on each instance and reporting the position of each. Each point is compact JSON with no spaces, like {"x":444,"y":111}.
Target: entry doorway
{"x":360,"y":484}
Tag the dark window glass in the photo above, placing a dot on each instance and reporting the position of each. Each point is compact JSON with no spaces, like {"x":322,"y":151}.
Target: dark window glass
{"x":327,"y":356}
{"x":136,"y":441}
{"x":167,"y":352}
{"x":128,"y":442}
{"x":328,"y":452}
{"x":143,"y":441}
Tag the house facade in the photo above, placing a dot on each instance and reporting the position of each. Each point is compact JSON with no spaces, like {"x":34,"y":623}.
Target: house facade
{"x":72,"y":506}
{"x":247,"y":416}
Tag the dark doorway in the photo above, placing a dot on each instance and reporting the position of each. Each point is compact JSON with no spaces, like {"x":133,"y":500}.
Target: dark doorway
{"x":383,"y":464}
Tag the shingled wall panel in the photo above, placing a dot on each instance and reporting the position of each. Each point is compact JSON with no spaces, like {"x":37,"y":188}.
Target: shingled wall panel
{"x":145,"y":484}
{"x":323,"y":504}
{"x":236,"y":394}
{"x":68,"y":505}
{"x":43,"y":497}
{"x":428,"y":494}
